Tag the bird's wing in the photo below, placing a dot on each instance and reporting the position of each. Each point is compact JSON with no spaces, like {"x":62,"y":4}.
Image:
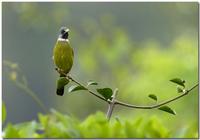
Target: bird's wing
{"x":72,"y":52}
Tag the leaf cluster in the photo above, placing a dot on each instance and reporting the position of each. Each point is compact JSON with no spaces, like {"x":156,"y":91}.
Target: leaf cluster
{"x":57,"y":125}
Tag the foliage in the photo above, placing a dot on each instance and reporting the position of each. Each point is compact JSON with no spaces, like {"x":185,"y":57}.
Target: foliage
{"x":91,"y":83}
{"x":75,"y":88}
{"x":105,"y":92}
{"x":178,"y":81}
{"x":152,"y":96}
{"x":167,"y":109}
{"x":57,"y":125}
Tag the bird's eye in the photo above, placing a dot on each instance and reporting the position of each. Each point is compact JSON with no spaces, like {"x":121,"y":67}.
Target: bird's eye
{"x":62,"y":31}
{"x":65,"y":35}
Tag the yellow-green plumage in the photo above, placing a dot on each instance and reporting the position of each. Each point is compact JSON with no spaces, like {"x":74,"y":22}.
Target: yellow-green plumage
{"x":63,"y":58}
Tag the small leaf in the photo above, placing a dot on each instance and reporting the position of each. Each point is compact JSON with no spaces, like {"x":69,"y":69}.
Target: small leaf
{"x":105,"y":92}
{"x":167,"y":109}
{"x":178,"y":81}
{"x":28,"y":129}
{"x":179,"y":89}
{"x":3,"y":112}
{"x":75,"y":88}
{"x":91,"y":83}
{"x":152,"y":96}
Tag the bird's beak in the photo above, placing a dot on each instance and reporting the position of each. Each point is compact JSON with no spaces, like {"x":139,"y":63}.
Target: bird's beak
{"x":67,"y":30}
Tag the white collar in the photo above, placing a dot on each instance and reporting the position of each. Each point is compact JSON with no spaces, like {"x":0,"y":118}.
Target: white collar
{"x":61,"y":39}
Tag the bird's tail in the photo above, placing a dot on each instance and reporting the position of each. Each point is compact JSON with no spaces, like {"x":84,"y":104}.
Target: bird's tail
{"x":60,"y":91}
{"x":61,"y":86}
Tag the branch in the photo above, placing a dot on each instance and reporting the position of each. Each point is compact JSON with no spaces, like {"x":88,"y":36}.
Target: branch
{"x":111,"y":105}
{"x":157,"y":105}
{"x":117,"y":102}
{"x":91,"y":92}
{"x":87,"y":89}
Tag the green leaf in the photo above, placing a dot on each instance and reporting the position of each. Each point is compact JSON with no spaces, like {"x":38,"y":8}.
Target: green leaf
{"x":179,"y":89}
{"x":11,"y":132}
{"x":178,"y":81}
{"x":3,"y":112}
{"x":91,"y":83}
{"x":43,"y":119}
{"x":154,"y":128}
{"x":152,"y":96}
{"x":105,"y":92}
{"x":167,"y":109}
{"x":75,"y":88}
{"x":27,"y":129}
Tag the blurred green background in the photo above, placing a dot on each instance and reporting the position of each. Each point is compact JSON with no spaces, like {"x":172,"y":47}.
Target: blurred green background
{"x":137,"y":47}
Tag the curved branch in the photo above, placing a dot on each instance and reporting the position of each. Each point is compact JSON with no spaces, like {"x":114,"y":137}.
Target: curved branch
{"x":117,"y":102}
{"x":87,"y":89}
{"x":157,"y":105}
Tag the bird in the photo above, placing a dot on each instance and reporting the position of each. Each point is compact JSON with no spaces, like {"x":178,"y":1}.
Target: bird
{"x":63,"y":57}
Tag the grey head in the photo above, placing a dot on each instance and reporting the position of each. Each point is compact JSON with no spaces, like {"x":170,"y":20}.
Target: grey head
{"x":64,"y":33}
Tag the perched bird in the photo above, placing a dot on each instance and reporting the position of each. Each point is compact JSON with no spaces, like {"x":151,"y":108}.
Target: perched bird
{"x":63,"y":56}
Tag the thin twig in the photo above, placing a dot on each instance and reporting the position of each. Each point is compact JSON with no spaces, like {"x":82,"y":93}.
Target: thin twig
{"x":157,"y":105}
{"x":111,"y":105}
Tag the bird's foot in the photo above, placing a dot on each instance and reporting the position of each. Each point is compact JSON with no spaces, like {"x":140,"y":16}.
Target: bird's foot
{"x":60,"y":71}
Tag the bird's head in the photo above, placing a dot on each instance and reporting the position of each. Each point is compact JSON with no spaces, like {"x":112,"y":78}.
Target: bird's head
{"x":64,"y":33}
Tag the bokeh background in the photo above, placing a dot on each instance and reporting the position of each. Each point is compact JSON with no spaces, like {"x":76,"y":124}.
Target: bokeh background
{"x":137,"y":47}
